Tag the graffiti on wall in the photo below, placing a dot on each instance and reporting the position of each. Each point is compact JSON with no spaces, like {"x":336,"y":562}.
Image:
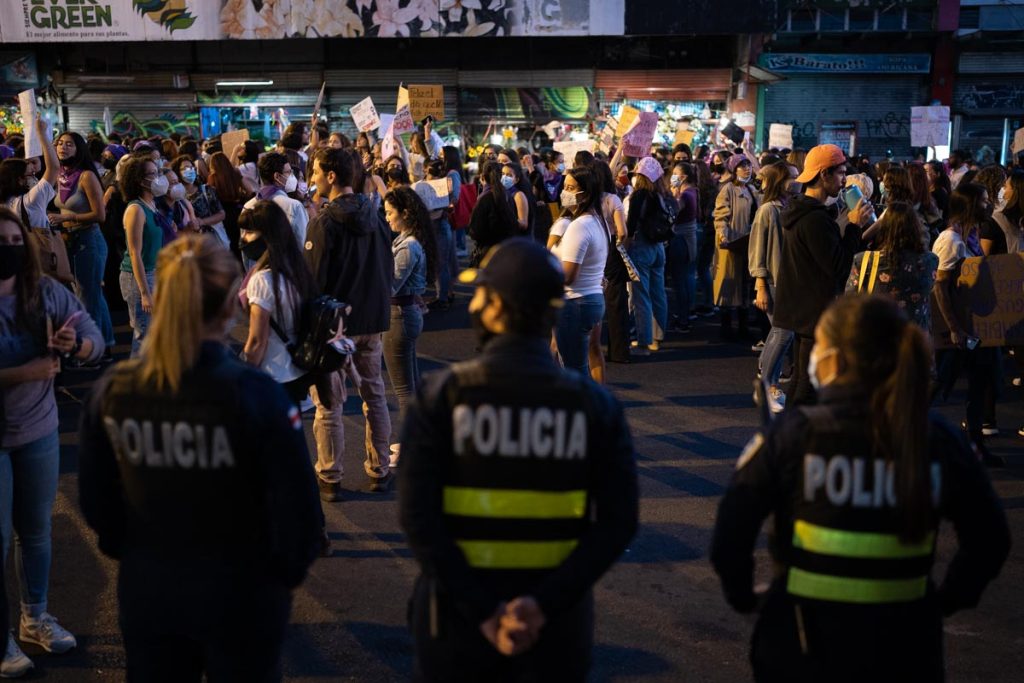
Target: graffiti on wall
{"x":996,"y":97}
{"x":126,"y":123}
{"x":892,"y":126}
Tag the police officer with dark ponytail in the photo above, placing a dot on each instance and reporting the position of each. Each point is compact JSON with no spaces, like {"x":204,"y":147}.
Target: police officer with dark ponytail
{"x":517,"y":492}
{"x":194,"y":474}
{"x":858,"y":486}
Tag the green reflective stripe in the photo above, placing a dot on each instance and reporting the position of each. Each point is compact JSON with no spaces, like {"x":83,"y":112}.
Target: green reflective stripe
{"x":516,"y":554}
{"x":848,"y":589}
{"x":819,"y":539}
{"x":514,"y":504}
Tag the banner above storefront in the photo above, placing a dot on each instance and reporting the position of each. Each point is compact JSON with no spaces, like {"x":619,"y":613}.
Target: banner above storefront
{"x":781,"y":62}
{"x":33,"y":21}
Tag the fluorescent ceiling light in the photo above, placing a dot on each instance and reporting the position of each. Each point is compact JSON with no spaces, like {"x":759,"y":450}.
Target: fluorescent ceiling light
{"x":106,"y":79}
{"x":241,"y":83}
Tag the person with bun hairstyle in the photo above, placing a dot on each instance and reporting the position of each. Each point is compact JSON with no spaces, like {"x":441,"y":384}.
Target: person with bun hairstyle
{"x":858,"y":486}
{"x":194,"y":474}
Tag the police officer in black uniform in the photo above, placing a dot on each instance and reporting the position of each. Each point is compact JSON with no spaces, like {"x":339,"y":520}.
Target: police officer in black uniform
{"x":194,"y":474}
{"x":858,"y":486}
{"x":517,"y":492}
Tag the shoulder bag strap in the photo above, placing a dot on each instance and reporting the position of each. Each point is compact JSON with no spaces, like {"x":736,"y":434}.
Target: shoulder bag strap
{"x":864,"y":261}
{"x":874,"y":271}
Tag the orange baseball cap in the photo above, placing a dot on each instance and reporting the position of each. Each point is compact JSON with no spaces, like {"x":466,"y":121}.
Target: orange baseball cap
{"x":819,"y":159}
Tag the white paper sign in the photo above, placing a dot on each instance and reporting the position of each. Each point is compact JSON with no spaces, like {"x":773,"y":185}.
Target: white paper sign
{"x":403,"y":115}
{"x":1018,"y":141}
{"x":365,"y":116}
{"x":780,"y":136}
{"x":386,"y":121}
{"x":929,"y":126}
{"x":570,"y":147}
{"x":388,"y":146}
{"x":33,"y":145}
{"x":434,"y":193}
{"x":637,"y":140}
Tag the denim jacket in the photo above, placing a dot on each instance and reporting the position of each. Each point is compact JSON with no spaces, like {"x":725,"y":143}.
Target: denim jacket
{"x":410,"y":266}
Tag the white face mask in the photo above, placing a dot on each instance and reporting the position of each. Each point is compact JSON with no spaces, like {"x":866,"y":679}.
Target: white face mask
{"x":291,"y":184}
{"x":568,"y":199}
{"x":677,"y":181}
{"x":812,"y":368}
{"x":303,"y":189}
{"x":1001,"y":199}
{"x":158,"y":186}
{"x":32,"y":180}
{"x":176,"y":192}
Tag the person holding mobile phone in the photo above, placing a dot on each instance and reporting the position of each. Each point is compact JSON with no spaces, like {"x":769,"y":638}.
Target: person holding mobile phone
{"x":32,"y":306}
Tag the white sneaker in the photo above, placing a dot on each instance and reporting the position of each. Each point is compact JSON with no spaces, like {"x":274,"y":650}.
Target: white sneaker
{"x":396,"y":451}
{"x":16,"y":664}
{"x":776,"y":400}
{"x":46,"y":633}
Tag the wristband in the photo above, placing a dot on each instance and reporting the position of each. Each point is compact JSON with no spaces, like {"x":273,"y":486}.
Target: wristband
{"x":74,"y":349}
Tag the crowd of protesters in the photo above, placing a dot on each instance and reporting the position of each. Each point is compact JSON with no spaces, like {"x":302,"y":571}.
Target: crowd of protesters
{"x":764,"y":242}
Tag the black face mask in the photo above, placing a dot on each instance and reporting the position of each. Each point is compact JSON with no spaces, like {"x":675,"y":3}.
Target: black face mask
{"x":109,"y":164}
{"x":718,"y":168}
{"x":13,"y":259}
{"x":483,"y":334}
{"x":253,"y":250}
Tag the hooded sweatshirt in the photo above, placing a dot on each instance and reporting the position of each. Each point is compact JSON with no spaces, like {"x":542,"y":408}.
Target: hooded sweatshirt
{"x":348,"y":249}
{"x":814,"y":266}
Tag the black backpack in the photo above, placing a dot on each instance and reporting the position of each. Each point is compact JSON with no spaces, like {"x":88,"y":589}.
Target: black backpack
{"x":659,"y":217}
{"x":320,"y":346}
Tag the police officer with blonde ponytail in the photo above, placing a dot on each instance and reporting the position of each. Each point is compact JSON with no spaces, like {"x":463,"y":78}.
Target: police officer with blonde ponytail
{"x":194,"y":474}
{"x":858,"y":486}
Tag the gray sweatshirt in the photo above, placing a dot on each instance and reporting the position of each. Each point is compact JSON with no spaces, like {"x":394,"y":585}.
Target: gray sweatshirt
{"x":765,"y":248}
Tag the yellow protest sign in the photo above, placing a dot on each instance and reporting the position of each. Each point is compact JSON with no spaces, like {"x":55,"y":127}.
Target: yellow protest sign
{"x":627,"y":115}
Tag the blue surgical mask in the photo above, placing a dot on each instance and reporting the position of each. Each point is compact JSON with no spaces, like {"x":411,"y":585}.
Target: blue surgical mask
{"x":677,"y":181}
{"x":560,"y":168}
{"x":189,"y":175}
{"x":508,"y":182}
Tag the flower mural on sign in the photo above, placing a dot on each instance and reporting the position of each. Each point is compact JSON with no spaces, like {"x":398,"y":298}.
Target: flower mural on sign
{"x":173,"y":15}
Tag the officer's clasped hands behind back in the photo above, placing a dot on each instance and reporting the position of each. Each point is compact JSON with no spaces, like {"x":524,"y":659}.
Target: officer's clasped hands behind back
{"x":858,"y":486}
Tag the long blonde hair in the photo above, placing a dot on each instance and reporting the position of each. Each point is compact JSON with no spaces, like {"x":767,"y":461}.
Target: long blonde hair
{"x":195,"y":277}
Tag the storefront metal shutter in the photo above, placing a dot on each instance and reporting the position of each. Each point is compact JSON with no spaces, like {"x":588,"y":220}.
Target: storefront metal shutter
{"x":984,"y":103}
{"x":549,"y":78}
{"x":878,"y":104}
{"x":150,"y":112}
{"x":676,"y":85}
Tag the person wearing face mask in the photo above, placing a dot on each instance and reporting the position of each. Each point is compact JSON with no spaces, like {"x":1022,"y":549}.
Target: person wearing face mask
{"x":494,"y":217}
{"x":816,"y":257}
{"x":554,"y":174}
{"x":858,"y":486}
{"x":279,"y":180}
{"x":248,"y":155}
{"x":511,"y":537}
{"x":682,"y":248}
{"x":650,"y":205}
{"x":735,"y":207}
{"x":214,"y":520}
{"x":174,"y":213}
{"x":41,"y":323}
{"x":80,"y":211}
{"x":206,"y":206}
{"x":511,"y":177}
{"x":141,"y":184}
{"x":25,"y":194}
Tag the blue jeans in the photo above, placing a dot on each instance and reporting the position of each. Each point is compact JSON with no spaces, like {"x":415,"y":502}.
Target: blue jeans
{"x":649,"y":302}
{"x":400,"y":353}
{"x":443,"y":230}
{"x":138,"y":318}
{"x":578,"y":318}
{"x":775,"y":348}
{"x":28,"y":487}
{"x":88,"y":252}
{"x":682,"y":261}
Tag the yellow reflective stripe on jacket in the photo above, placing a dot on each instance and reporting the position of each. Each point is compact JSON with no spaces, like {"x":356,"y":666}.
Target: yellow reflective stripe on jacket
{"x":516,"y":554}
{"x":841,"y":543}
{"x":849,"y":589}
{"x":514,"y":504}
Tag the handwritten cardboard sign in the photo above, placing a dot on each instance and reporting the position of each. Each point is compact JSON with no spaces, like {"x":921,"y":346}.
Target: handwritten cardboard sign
{"x":570,"y":147}
{"x":929,"y":126}
{"x":684,"y":136}
{"x":990,"y":292}
{"x":780,"y":136}
{"x":365,"y":115}
{"x":426,"y":100}
{"x":637,"y":140}
{"x":434,"y":193}
{"x":232,"y":139}
{"x":33,"y":145}
{"x":627,"y":115}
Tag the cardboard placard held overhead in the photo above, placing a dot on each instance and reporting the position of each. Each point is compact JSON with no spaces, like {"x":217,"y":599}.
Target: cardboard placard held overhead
{"x":780,"y":136}
{"x":426,"y":100}
{"x":365,"y":115}
{"x":404,"y":122}
{"x":1018,"y":141}
{"x":627,"y":115}
{"x":232,"y":139}
{"x":929,"y":126}
{"x":434,"y":193}
{"x":570,"y":147}
{"x":684,"y":136}
{"x":990,"y":293}
{"x":637,"y":140}
{"x":33,"y":145}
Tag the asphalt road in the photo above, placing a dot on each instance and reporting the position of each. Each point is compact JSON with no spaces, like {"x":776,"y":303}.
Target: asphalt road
{"x":661,"y":616}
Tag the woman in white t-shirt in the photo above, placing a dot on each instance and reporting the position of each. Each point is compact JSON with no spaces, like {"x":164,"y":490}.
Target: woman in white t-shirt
{"x":274,"y":291}
{"x":21,"y":191}
{"x":583,"y":251}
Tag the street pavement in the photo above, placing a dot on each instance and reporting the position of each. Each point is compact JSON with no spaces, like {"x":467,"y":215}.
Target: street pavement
{"x":660,"y":613}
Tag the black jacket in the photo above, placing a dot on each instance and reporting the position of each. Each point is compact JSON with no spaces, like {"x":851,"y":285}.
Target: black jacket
{"x":348,"y":249}
{"x":491,"y":222}
{"x":770,"y":479}
{"x":814,"y":266}
{"x":214,"y":481}
{"x":517,"y":371}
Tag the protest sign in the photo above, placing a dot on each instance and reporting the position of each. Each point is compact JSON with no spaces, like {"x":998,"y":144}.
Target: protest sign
{"x":434,"y":193}
{"x":607,"y":137}
{"x":232,"y":139}
{"x":365,"y":115}
{"x":426,"y":100}
{"x":684,"y":136}
{"x":733,"y":132}
{"x":1018,"y":141}
{"x":990,"y":292}
{"x":627,"y":115}
{"x":637,"y":140}
{"x":929,"y":126}
{"x":33,"y":145}
{"x":780,"y":136}
{"x":386,"y":121}
{"x":570,"y":147}
{"x":319,"y":103}
{"x":389,"y":143}
{"x":404,"y":122}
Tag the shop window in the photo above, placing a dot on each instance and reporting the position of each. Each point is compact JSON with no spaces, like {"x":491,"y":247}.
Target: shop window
{"x":862,"y":19}
{"x":891,"y":20}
